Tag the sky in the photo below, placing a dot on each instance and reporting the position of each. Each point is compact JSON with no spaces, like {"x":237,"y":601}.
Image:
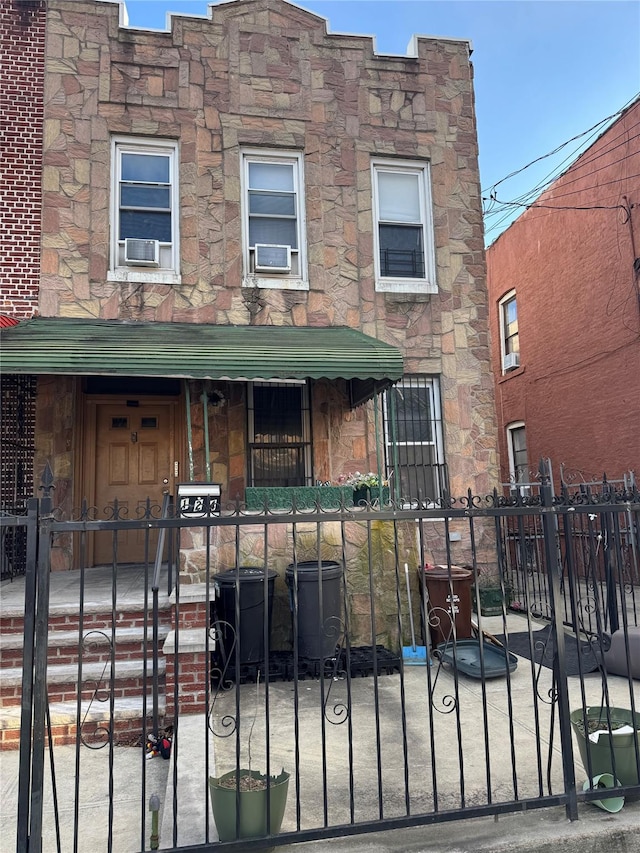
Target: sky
{"x":545,"y":71}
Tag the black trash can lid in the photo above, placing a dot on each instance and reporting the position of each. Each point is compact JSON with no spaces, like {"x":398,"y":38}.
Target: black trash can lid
{"x":247,"y":574}
{"x":308,"y":569}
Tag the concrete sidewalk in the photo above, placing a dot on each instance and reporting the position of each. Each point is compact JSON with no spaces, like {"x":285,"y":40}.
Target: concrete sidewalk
{"x":539,"y":831}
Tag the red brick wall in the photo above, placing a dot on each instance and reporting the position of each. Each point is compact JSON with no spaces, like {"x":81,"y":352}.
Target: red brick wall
{"x":22,"y":28}
{"x":578,"y":385}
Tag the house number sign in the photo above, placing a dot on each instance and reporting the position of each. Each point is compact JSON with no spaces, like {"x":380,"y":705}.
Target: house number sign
{"x":198,"y":500}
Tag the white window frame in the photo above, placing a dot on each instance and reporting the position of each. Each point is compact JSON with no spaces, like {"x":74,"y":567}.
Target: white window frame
{"x":524,"y":487}
{"x":432,"y":385}
{"x":297,"y":279}
{"x":391,"y":284}
{"x":168,"y":271}
{"x":508,"y":297}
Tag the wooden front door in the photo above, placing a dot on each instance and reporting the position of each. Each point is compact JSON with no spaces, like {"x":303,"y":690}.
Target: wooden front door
{"x":133,"y":460}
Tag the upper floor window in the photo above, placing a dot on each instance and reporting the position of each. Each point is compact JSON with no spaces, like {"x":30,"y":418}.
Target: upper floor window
{"x":273,"y":220}
{"x":509,"y":340}
{"x":403,"y":227}
{"x":144,"y":211}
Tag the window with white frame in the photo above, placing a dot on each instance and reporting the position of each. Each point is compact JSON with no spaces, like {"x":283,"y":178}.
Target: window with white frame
{"x":403,"y":227}
{"x":144,"y":210}
{"x":414,"y":442}
{"x":273,"y":219}
{"x":518,"y":460}
{"x":509,"y":338}
{"x":279,"y":434}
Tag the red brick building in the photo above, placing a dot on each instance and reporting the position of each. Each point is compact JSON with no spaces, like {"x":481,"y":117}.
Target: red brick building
{"x":22,"y":29}
{"x":565,"y":317}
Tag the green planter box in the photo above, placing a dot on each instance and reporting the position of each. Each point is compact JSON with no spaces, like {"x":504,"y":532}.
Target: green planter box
{"x":370,"y":494}
{"x":305,"y":497}
{"x":491,"y":600}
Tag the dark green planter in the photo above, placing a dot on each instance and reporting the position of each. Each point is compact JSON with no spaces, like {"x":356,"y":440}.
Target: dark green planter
{"x":622,"y":747}
{"x":370,"y":494}
{"x":491,"y":600}
{"x":253,"y":805}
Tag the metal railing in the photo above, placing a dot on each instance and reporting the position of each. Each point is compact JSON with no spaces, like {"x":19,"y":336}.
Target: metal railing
{"x":313,"y":670}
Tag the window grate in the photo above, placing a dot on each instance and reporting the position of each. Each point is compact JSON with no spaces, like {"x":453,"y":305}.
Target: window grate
{"x":17,"y":448}
{"x":414,"y":447}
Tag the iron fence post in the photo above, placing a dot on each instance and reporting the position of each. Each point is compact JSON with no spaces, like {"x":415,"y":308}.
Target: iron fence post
{"x":554,"y":569}
{"x":24,"y":777}
{"x":40,"y":662}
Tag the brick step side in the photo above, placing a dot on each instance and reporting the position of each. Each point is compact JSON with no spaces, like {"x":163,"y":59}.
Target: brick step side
{"x":63,"y":645}
{"x":65,"y":618}
{"x":62,"y":681}
{"x":129,"y":727}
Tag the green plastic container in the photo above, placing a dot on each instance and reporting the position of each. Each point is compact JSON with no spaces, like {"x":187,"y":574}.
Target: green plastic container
{"x":253,"y":805}
{"x":609,"y":746}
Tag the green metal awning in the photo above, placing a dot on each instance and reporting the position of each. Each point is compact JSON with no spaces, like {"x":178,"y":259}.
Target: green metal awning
{"x":59,"y":345}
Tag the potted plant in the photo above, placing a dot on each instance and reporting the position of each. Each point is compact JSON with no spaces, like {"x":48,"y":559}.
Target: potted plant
{"x":488,"y":593}
{"x":366,"y":488}
{"x":242,"y":799}
{"x":608,"y":736}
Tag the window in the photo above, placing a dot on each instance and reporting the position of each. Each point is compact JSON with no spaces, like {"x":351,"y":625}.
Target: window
{"x":279,"y":435}
{"x":518,"y":461}
{"x":403,"y":228}
{"x":144,"y":212}
{"x":510,"y":342}
{"x":413,"y":441}
{"x":273,"y":220}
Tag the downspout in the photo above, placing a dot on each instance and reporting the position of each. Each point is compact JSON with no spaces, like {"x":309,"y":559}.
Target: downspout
{"x":205,"y":423}
{"x":187,"y":396}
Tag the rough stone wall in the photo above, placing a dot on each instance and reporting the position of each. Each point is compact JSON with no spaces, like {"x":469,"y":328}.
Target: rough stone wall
{"x":22,"y":34}
{"x":264,"y":73}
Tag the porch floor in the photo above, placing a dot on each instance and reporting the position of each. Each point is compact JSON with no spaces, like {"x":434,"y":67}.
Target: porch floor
{"x":64,"y":589}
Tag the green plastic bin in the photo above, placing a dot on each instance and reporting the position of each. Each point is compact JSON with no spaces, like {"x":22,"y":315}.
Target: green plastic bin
{"x":610,"y":748}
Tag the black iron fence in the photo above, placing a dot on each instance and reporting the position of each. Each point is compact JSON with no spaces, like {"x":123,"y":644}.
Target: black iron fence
{"x":339,"y":670}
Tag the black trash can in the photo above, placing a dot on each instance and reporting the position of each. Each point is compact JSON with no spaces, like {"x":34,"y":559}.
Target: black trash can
{"x":317,"y":639}
{"x":251,"y":633}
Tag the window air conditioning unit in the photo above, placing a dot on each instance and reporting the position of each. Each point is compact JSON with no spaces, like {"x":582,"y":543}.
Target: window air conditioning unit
{"x":511,"y":360}
{"x":272,"y":258}
{"x":144,"y":253}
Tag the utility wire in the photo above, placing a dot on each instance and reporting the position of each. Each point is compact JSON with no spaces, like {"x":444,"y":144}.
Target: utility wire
{"x":564,"y":144}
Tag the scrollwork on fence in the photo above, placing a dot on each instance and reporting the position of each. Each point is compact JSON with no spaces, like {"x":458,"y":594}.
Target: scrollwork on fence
{"x":100,"y":735}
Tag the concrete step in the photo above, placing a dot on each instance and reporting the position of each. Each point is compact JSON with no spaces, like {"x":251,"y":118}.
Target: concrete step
{"x":62,"y":680}
{"x":96,"y":646}
{"x":95,"y":615}
{"x":132,"y":721}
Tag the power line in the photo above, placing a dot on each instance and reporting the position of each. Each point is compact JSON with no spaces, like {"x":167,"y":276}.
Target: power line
{"x":515,"y":203}
{"x":564,"y":144}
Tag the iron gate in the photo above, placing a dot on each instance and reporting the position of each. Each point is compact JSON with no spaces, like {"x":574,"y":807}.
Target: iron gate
{"x":368,"y":741}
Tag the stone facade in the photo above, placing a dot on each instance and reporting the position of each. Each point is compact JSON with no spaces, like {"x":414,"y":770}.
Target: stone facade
{"x":265,"y":74}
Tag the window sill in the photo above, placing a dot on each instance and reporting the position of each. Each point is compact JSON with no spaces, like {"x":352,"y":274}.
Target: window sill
{"x":275,"y":283}
{"x":144,"y":275}
{"x":517,"y":372}
{"x":405,"y":285}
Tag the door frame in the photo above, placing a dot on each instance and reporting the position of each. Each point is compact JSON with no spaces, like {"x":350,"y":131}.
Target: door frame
{"x":86,"y":446}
